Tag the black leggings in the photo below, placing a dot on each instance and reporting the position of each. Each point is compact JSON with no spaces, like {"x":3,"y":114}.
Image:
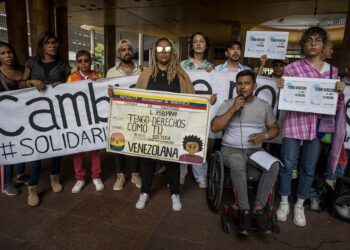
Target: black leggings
{"x":148,"y":167}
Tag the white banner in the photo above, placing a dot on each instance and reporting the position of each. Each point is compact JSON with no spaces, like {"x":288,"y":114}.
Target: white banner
{"x":72,"y":118}
{"x":310,"y":95}
{"x":154,"y":124}
{"x":272,"y":44}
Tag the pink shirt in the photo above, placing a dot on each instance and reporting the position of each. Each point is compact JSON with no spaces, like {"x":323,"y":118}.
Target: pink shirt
{"x":300,"y":125}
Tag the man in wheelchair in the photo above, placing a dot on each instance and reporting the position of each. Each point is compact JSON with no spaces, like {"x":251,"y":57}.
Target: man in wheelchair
{"x":247,"y":121}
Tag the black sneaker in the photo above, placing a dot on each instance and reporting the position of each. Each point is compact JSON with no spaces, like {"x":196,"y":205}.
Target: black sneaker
{"x":244,"y":221}
{"x":23,"y":179}
{"x":10,"y":190}
{"x":262,"y":221}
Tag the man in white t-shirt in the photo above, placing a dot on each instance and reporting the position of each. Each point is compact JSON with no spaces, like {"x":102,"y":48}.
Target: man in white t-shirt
{"x":247,"y":121}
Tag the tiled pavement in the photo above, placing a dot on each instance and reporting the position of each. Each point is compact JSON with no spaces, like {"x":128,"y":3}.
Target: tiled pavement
{"x":109,"y":220}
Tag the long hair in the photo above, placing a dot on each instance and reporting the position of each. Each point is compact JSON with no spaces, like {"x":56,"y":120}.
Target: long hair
{"x":43,"y":38}
{"x":207,"y":43}
{"x":174,"y":67}
{"x":16,"y":64}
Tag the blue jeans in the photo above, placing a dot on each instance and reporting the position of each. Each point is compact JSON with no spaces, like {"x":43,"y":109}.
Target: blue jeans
{"x":9,"y":173}
{"x":35,"y":167}
{"x":339,"y":172}
{"x":309,"y":156}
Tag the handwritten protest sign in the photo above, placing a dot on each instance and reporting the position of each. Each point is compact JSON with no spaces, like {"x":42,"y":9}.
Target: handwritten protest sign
{"x":272,"y":44}
{"x":154,"y":124}
{"x":312,"y":95}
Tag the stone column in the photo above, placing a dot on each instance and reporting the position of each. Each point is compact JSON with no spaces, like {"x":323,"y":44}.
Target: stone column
{"x":16,"y":19}
{"x":42,"y":18}
{"x":141,"y":48}
{"x":62,"y":31}
{"x":184,"y":48}
{"x":110,"y":43}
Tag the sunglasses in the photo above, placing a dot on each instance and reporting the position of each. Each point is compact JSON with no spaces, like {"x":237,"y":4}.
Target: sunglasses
{"x":83,"y":61}
{"x":166,"y":49}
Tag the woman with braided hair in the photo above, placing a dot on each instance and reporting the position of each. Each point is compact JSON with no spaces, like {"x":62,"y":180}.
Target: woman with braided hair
{"x":165,"y":74}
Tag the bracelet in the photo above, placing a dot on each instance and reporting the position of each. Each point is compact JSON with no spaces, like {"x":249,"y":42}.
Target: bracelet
{"x":266,"y":136}
{"x":28,"y":83}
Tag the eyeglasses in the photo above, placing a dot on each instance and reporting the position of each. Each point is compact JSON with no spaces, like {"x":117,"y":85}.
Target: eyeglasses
{"x":166,"y":49}
{"x":317,"y":41}
{"x":51,"y":42}
{"x":83,"y":60}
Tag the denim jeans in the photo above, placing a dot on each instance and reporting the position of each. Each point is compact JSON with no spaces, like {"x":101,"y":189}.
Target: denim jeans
{"x":9,"y":173}
{"x":309,"y":156}
{"x":339,"y":172}
{"x":35,"y":167}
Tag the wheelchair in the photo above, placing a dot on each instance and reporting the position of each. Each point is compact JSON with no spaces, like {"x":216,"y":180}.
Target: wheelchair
{"x":219,"y":179}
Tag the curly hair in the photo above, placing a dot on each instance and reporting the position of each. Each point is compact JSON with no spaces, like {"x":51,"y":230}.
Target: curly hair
{"x":193,"y":138}
{"x":207,"y":43}
{"x":313,"y":31}
{"x":174,"y":67}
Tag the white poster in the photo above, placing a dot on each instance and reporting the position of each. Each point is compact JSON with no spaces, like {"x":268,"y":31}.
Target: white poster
{"x":311,"y":95}
{"x":272,"y":44}
{"x":72,"y":118}
{"x":159,"y":125}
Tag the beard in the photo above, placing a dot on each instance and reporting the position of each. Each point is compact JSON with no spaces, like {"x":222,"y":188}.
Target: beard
{"x":126,"y":59}
{"x":235,"y":58}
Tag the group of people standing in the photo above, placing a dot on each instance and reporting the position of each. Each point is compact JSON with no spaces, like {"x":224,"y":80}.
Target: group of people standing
{"x":168,"y":74}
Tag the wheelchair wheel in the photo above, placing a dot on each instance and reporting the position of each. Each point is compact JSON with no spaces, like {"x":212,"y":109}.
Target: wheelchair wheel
{"x":215,"y":181}
{"x":274,"y":226}
{"x":341,"y":207}
{"x":225,"y":223}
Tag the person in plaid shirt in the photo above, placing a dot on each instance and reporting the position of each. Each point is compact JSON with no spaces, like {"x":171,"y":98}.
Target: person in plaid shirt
{"x":300,"y":127}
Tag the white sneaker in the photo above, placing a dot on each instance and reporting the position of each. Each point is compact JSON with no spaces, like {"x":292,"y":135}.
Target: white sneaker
{"x":175,"y":198}
{"x":98,"y":184}
{"x":202,"y":184}
{"x":141,"y":203}
{"x":331,"y":183}
{"x":299,"y":216}
{"x":282,"y":211}
{"x":78,"y":187}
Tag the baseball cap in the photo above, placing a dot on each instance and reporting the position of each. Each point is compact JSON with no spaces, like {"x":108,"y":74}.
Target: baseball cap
{"x":123,"y":42}
{"x":233,"y":42}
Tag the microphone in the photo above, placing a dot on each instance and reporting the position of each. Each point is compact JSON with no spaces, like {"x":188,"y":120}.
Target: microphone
{"x":241,"y":95}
